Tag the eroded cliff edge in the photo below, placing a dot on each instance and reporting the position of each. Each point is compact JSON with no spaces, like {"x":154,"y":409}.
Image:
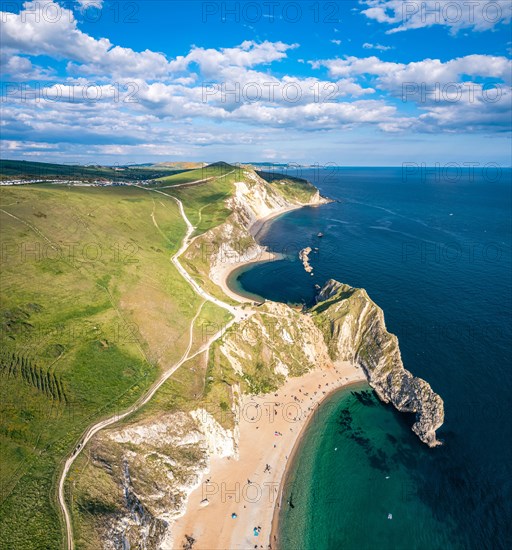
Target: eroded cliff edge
{"x":138,"y":476}
{"x":355,"y":330}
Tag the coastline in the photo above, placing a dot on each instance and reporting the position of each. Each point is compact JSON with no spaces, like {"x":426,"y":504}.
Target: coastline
{"x":222,"y":273}
{"x":270,"y":439}
{"x":274,"y":533}
{"x":211,"y":525}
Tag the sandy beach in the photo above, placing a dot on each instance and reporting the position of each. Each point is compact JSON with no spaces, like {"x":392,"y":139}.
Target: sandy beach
{"x":270,"y":427}
{"x":222,"y":272}
{"x":237,"y":503}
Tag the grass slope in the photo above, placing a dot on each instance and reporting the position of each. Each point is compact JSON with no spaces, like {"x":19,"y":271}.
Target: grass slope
{"x":31,"y":170}
{"x":92,"y":309}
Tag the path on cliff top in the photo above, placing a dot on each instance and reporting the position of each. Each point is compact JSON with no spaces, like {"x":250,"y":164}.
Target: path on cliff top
{"x":237,"y":312}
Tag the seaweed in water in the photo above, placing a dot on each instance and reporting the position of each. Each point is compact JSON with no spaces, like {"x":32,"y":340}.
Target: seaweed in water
{"x":365,"y":397}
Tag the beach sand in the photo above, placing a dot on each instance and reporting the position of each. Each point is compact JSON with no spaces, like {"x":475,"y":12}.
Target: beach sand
{"x":286,"y":413}
{"x":221,"y":273}
{"x":226,"y":486}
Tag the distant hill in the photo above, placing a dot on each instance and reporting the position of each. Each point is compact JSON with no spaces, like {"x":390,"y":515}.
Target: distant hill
{"x":23,"y":169}
{"x":179,"y":165}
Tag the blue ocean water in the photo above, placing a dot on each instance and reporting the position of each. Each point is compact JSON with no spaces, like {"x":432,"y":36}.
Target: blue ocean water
{"x":434,"y":252}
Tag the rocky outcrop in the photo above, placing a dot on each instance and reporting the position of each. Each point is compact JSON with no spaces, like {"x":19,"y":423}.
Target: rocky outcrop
{"x":154,"y":466}
{"x":272,"y":344}
{"x":354,"y":328}
{"x":254,"y":200}
{"x":304,"y":258}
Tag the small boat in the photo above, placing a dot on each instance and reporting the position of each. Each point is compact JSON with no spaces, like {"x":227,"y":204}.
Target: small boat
{"x":390,"y":516}
{"x":320,"y":234}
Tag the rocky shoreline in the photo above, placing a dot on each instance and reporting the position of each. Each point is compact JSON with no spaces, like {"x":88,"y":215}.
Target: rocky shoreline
{"x":304,"y":258}
{"x":273,"y":346}
{"x":355,"y":326}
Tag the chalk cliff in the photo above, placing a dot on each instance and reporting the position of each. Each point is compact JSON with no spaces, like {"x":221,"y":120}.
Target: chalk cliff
{"x":354,"y":328}
{"x":154,"y":464}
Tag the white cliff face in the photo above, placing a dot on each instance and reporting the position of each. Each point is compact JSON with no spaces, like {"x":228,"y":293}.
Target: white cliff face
{"x":219,"y":442}
{"x":231,"y":247}
{"x":356,"y":331}
{"x":161,"y":432}
{"x":257,"y":200}
{"x":157,"y":463}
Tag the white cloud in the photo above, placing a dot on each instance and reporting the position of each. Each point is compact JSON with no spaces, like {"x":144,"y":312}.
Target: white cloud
{"x":44,"y":27}
{"x":84,"y":4}
{"x":453,"y":95}
{"x":368,"y":46}
{"x":17,"y":69}
{"x":393,"y":75}
{"x":248,"y":54}
{"x":337,"y":42}
{"x":479,"y":15}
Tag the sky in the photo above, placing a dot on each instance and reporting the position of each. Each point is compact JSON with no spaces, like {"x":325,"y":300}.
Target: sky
{"x":354,"y":83}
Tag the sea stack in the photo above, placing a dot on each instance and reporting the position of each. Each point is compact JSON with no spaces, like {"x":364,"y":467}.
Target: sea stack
{"x":304,"y":258}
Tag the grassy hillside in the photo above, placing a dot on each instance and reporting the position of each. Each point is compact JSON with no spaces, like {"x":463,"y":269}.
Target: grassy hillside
{"x":22,"y":169}
{"x":91,"y":309}
{"x":294,"y":189}
{"x":216,"y":170}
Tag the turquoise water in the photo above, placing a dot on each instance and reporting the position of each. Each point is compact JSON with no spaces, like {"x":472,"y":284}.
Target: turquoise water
{"x":435,"y":255}
{"x":349,"y":446}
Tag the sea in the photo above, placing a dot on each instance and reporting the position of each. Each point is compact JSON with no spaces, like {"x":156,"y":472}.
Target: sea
{"x":432,"y":246}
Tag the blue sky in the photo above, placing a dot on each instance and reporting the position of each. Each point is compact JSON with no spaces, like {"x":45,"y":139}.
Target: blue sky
{"x":370,"y":82}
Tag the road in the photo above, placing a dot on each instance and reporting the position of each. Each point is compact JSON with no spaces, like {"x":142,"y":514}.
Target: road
{"x":237,"y":312}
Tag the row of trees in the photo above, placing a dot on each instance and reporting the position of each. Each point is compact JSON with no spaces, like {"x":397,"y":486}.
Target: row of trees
{"x":16,"y":365}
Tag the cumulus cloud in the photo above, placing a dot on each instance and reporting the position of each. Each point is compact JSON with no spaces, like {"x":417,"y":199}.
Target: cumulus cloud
{"x":44,"y":27}
{"x":470,"y":92}
{"x":479,"y":15}
{"x":16,"y":68}
{"x":392,"y":75}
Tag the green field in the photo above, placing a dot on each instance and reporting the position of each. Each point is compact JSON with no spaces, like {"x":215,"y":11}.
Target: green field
{"x":216,"y":170}
{"x":92,"y":310}
{"x":22,"y":169}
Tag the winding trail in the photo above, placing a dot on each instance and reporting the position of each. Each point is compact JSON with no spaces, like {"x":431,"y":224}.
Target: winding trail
{"x":237,"y":314}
